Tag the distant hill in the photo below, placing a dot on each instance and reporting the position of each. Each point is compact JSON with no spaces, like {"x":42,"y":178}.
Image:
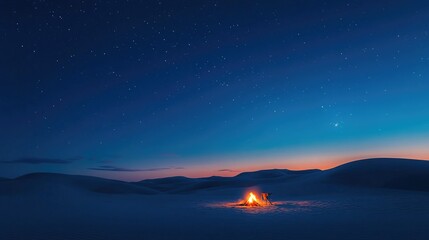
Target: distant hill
{"x":382,"y":173}
{"x":391,"y":173}
{"x":274,"y":173}
{"x":51,"y":182}
{"x":168,"y":184}
{"x":246,"y":179}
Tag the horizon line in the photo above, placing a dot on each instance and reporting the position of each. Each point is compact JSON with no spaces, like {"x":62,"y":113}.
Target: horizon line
{"x":238,"y":172}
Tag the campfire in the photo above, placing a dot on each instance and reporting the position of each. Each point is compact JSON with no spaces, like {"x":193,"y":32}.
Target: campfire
{"x":251,"y":201}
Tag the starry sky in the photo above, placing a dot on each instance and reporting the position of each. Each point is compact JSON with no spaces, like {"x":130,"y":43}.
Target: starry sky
{"x":142,"y":89}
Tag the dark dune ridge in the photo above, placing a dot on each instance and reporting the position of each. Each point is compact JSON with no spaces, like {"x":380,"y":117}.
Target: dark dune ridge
{"x":43,"y":182}
{"x":274,"y":173}
{"x":392,"y":173}
{"x":404,"y":174}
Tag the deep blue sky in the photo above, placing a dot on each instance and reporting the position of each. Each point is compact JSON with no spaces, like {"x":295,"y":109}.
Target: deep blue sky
{"x":137,"y":89}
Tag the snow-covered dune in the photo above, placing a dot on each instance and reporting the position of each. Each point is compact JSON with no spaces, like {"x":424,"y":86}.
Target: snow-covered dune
{"x":245,"y":179}
{"x":405,"y":174}
{"x":390,"y":173}
{"x":57,"y":183}
{"x":382,"y":173}
{"x":168,"y":184}
{"x":274,"y":173}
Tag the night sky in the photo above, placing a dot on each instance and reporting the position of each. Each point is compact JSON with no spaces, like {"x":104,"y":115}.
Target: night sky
{"x":141,"y":89}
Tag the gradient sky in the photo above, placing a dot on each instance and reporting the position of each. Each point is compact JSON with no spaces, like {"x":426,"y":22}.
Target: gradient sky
{"x":142,"y":89}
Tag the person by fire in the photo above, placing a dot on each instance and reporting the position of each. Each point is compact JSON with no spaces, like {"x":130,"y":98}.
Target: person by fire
{"x":266,"y":198}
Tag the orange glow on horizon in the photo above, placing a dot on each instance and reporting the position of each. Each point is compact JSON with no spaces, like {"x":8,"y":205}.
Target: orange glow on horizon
{"x":229,"y":166}
{"x":299,"y":163}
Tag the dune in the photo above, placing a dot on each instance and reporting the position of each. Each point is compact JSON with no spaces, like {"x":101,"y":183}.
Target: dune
{"x":406,"y":174}
{"x":185,"y":185}
{"x":181,"y":184}
{"x":274,"y":173}
{"x":50,"y":182}
{"x":213,"y":184}
{"x":391,"y":173}
{"x":167,"y":184}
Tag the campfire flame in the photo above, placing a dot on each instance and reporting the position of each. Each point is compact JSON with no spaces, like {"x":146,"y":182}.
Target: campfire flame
{"x":251,"y":201}
{"x":251,"y":198}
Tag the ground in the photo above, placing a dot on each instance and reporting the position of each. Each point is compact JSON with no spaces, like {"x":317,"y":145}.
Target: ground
{"x":373,"y":215}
